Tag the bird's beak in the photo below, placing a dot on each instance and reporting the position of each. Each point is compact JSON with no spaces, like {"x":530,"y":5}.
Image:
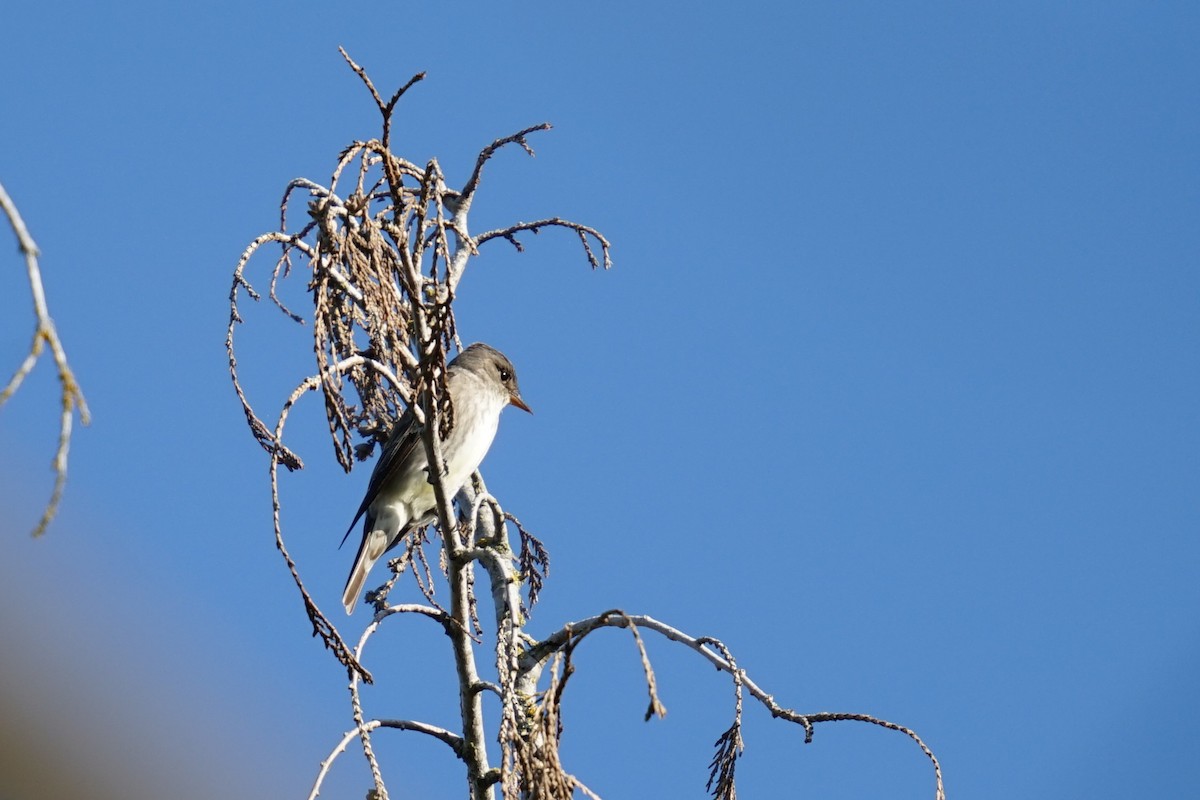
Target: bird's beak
{"x":516,"y":400}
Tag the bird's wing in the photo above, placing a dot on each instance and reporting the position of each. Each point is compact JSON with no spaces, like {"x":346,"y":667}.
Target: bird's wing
{"x":405,"y":435}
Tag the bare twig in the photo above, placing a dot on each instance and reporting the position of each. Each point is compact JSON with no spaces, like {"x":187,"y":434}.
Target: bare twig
{"x":71,"y":398}
{"x":537,"y":655}
{"x":258,"y":428}
{"x":518,"y":138}
{"x":582,"y":231}
{"x":321,"y":625}
{"x":656,"y":708}
{"x":387,"y":108}
{"x":437,"y":615}
{"x":453,"y":741}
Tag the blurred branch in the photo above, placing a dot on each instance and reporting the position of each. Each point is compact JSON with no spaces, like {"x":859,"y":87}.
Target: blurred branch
{"x":45,"y":334}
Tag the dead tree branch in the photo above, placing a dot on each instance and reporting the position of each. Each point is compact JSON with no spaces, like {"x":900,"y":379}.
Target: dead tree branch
{"x":383,"y":247}
{"x":569,"y":635}
{"x":45,"y":334}
{"x":583,"y":231}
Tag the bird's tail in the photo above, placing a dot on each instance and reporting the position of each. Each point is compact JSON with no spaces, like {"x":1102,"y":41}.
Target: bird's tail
{"x":373,"y":546}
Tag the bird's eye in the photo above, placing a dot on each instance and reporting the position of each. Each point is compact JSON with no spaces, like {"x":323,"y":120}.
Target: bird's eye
{"x":505,"y":375}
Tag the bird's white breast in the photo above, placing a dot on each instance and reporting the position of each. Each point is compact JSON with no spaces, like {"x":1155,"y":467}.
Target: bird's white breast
{"x":474,"y":429}
{"x":475,"y":424}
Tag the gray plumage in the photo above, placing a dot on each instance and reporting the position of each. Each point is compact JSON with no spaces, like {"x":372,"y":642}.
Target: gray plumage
{"x":399,"y":498}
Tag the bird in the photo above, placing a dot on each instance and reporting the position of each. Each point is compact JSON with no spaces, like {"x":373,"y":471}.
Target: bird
{"x":400,"y":499}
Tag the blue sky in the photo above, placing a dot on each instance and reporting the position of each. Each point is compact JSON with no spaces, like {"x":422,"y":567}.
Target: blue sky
{"x":893,"y":387}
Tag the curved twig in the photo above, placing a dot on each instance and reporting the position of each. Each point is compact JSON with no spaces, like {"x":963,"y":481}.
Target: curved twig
{"x":453,"y":741}
{"x":537,"y":655}
{"x":583,"y":231}
{"x":468,"y":192}
{"x":321,"y":625}
{"x":262,"y":434}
